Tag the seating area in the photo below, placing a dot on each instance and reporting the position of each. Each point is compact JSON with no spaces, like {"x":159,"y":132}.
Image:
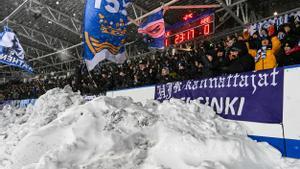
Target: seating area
{"x":264,"y":49}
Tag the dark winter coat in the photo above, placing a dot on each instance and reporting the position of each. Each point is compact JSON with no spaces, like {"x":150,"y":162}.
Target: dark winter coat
{"x":290,"y":57}
{"x":241,"y":64}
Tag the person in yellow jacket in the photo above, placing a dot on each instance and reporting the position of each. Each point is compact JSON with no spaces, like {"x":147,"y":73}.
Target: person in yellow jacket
{"x":265,"y":57}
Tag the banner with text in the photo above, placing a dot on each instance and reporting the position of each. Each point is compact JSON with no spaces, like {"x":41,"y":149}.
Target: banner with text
{"x":11,"y":51}
{"x":276,"y":20}
{"x":252,"y":96}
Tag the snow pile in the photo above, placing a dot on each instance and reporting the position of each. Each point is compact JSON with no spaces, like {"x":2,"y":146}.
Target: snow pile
{"x":15,"y":124}
{"x":121,"y":134}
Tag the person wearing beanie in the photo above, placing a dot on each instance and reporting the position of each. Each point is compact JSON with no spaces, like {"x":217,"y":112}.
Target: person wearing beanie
{"x":265,"y":56}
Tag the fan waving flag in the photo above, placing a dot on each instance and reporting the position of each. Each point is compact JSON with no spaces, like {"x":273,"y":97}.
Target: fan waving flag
{"x":105,"y":24}
{"x":11,"y":51}
{"x":154,"y":28}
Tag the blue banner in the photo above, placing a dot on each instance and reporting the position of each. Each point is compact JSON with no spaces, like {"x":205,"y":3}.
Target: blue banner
{"x":11,"y":51}
{"x":276,"y":20}
{"x":253,"y":96}
{"x":154,"y":28}
{"x":105,"y":23}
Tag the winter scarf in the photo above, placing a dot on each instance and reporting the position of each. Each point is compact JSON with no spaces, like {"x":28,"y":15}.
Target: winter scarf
{"x":261,"y":53}
{"x":281,"y":36}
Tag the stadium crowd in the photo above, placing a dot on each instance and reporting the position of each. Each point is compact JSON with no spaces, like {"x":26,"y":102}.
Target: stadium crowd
{"x":266,"y":49}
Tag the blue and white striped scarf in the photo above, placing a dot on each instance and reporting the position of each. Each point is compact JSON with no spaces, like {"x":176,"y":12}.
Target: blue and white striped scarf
{"x":261,"y":53}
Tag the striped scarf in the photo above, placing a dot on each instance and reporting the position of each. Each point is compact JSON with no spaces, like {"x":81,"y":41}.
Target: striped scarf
{"x":261,"y":53}
{"x":281,"y":36}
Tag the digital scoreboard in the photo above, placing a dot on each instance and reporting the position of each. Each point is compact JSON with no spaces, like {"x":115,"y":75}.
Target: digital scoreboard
{"x":191,"y":28}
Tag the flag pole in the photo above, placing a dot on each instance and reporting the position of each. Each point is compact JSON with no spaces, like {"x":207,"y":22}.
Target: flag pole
{"x":88,"y":71}
{"x":154,"y":11}
{"x":133,"y":21}
{"x":91,"y":77}
{"x":193,"y":7}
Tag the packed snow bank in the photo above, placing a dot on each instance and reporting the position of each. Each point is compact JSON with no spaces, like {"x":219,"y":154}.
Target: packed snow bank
{"x":15,"y":124}
{"x":120,"y":134}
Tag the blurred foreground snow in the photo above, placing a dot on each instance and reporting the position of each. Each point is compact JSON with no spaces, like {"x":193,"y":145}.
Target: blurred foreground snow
{"x":62,"y":132}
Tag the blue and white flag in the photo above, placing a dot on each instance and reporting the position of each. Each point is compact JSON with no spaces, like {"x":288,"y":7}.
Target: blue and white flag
{"x":154,"y":27}
{"x":11,"y":51}
{"x":105,"y":23}
{"x":276,"y":21}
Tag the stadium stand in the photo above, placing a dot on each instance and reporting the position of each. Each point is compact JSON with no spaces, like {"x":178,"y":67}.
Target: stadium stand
{"x":237,"y":53}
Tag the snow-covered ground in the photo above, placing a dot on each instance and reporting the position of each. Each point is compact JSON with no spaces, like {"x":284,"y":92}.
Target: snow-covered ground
{"x":61,"y":131}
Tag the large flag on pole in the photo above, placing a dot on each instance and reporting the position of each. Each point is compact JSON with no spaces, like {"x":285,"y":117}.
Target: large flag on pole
{"x":154,"y":28}
{"x":105,"y":24}
{"x":11,"y":51}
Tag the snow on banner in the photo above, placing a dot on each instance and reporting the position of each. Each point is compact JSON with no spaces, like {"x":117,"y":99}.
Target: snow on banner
{"x":105,"y":23}
{"x":11,"y":51}
{"x":251,"y":96}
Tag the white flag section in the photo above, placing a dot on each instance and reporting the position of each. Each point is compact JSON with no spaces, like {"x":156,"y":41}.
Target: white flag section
{"x":11,"y":51}
{"x":104,"y":54}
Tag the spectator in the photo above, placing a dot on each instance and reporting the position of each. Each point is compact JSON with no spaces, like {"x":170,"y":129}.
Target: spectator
{"x":181,"y":71}
{"x":165,"y":75}
{"x":235,"y":54}
{"x":290,"y":54}
{"x":289,"y":34}
{"x":297,"y":27}
{"x":265,"y":57}
{"x":239,"y":59}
